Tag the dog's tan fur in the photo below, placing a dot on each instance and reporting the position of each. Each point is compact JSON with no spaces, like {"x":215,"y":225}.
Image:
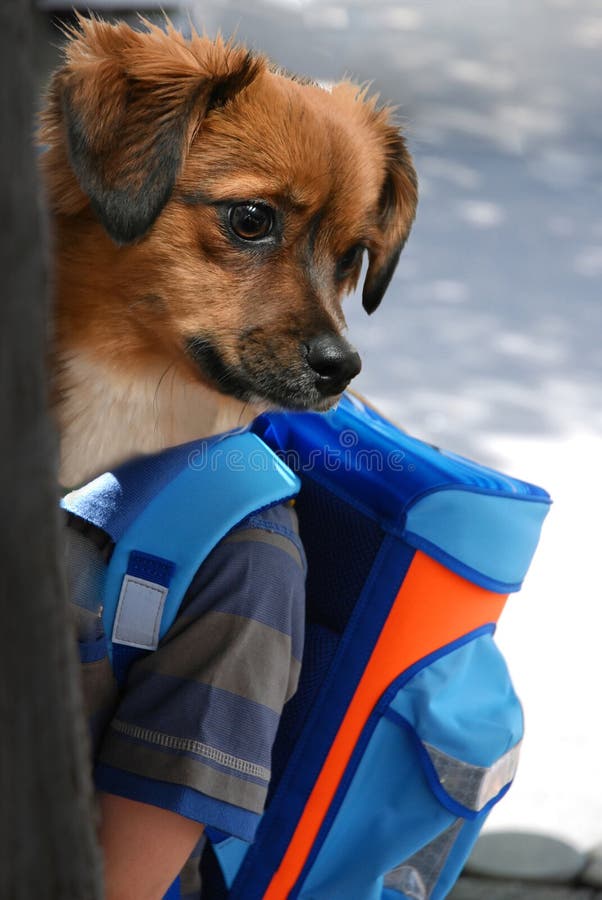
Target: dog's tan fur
{"x":148,"y":136}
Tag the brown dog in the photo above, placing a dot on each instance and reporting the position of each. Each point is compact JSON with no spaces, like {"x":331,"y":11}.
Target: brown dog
{"x":209,"y":213}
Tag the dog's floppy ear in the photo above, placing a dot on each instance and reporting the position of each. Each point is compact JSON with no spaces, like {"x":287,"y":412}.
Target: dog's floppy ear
{"x":396,"y":211}
{"x":131,"y":102}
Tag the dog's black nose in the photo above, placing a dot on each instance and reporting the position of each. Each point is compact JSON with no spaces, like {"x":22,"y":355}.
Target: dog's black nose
{"x":334,"y":361}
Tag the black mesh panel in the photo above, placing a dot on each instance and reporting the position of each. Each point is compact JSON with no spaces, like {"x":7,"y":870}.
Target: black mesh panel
{"x":341,"y":546}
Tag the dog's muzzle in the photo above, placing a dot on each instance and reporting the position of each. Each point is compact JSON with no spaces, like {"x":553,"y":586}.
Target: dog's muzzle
{"x":334,"y":361}
{"x":320,"y":370}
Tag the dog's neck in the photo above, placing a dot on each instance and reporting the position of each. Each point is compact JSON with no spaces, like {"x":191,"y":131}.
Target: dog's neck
{"x":105,"y":420}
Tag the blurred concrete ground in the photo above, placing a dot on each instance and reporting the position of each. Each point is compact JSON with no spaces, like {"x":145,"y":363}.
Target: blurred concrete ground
{"x":489,"y":341}
{"x":478,"y":889}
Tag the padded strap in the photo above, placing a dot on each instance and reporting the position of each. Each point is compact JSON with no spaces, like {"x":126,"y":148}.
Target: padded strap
{"x":159,"y":553}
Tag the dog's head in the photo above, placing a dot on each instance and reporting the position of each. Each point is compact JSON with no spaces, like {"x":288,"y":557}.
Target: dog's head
{"x":212,"y":212}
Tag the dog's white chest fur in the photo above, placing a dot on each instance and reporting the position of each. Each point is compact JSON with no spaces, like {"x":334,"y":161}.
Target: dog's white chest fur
{"x":106,"y":418}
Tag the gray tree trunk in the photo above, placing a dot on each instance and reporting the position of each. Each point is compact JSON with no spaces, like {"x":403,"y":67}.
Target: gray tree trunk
{"x":47,"y":842}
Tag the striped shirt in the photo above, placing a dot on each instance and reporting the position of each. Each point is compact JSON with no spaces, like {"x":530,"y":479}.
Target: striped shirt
{"x":193,"y":728}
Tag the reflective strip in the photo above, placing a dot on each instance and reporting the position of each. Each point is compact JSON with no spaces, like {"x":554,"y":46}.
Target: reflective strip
{"x":139,"y":611}
{"x":408,"y":882}
{"x":473,"y":786}
{"x":417,"y":876}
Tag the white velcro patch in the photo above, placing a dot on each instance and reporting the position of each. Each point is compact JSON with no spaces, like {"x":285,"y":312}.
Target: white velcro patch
{"x":139,"y":612}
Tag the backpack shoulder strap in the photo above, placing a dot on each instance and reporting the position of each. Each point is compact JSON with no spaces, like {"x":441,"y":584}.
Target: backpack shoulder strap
{"x":214,"y":487}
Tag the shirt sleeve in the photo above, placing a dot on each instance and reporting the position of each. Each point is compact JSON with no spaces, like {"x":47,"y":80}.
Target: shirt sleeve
{"x":194,"y":729}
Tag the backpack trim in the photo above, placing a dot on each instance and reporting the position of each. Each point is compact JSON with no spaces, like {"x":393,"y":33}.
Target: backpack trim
{"x":478,"y":522}
{"x":487,"y":538}
{"x":433,"y":607}
{"x":307,"y":759}
{"x":378,"y":711}
{"x":152,"y":505}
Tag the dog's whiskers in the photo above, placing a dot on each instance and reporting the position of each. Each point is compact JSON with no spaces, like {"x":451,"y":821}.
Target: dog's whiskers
{"x":156,"y":407}
{"x":242,"y":415}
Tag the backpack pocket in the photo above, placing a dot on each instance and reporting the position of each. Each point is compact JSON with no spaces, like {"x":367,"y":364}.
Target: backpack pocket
{"x":439,"y":751}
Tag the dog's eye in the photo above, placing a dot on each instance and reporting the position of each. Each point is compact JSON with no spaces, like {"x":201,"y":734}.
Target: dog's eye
{"x":251,"y":221}
{"x":349,"y":260}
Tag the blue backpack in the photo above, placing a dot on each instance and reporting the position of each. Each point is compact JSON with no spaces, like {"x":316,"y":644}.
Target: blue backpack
{"x":405,"y":729}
